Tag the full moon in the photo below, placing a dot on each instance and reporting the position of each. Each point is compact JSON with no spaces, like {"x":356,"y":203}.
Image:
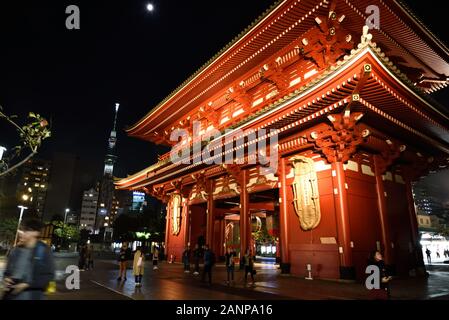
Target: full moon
{"x":150,"y":7}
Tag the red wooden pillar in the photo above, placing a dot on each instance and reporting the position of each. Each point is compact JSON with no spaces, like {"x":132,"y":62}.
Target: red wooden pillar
{"x":283,"y":219}
{"x":416,"y":249}
{"x":167,"y":229}
{"x":383,"y":214}
{"x":245,"y":227}
{"x":347,"y":270}
{"x":210,"y":216}
{"x":186,"y":224}
{"x":222,"y":237}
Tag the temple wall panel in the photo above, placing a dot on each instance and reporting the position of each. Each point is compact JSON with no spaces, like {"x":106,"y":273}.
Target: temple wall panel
{"x":319,"y":246}
{"x":198,"y":223}
{"x":363,"y":217}
{"x":399,"y":222}
{"x":176,"y":243}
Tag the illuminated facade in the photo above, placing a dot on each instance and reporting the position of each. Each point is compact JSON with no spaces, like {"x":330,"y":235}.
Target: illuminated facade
{"x":33,"y":185}
{"x":89,"y":209}
{"x":350,"y":109}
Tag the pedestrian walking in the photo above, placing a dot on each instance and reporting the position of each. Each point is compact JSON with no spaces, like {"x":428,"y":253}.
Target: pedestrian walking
{"x":249,"y":265}
{"x":209,"y":261}
{"x":230,"y":264}
{"x":138,"y":266}
{"x":123,"y":258}
{"x":90,"y":257}
{"x":186,"y":259}
{"x":438,"y":254}
{"x":155,"y":258}
{"x":82,"y":257}
{"x":383,"y":293}
{"x":196,"y":259}
{"x":429,"y":258}
{"x":30,"y":266}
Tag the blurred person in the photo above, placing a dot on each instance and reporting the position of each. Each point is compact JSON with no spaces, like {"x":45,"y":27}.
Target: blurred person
{"x":30,"y":266}
{"x":82,"y":257}
{"x":155,"y":258}
{"x":123,"y":258}
{"x":138,"y":266}
{"x":249,"y":265}
{"x":186,"y":259}
{"x":229,"y":259}
{"x":209,"y":261}
{"x":196,"y":259}
{"x":90,"y":257}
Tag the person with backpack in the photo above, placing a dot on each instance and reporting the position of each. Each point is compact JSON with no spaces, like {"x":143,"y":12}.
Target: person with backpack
{"x":30,"y":266}
{"x":209,"y":261}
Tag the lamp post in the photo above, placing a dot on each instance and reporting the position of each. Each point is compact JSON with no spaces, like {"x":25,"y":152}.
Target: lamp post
{"x":22,"y":209}
{"x":65,"y":219}
{"x":65,"y":216}
{"x":2,"y":150}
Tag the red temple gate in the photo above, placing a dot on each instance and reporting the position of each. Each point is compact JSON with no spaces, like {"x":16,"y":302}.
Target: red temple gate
{"x":354,"y":126}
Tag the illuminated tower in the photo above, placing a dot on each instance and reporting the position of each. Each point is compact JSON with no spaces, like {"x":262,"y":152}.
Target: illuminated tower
{"x":106,"y":198}
{"x":110,"y":156}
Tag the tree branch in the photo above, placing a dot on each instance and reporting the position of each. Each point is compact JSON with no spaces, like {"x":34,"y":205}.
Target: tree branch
{"x":18,"y":164}
{"x":2,"y":115}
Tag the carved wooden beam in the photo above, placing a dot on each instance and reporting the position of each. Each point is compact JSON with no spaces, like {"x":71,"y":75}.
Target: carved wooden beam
{"x":201,"y":182}
{"x":421,"y":165}
{"x":340,"y":140}
{"x":386,"y":158}
{"x":326,"y":43}
{"x":274,"y":74}
{"x":210,"y":114}
{"x":238,"y":94}
{"x":235,"y":171}
{"x":158,"y":193}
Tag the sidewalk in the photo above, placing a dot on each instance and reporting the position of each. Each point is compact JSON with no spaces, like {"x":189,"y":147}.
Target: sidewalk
{"x":170,"y":282}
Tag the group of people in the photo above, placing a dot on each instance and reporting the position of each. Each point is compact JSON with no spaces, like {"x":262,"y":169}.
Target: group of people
{"x":209,"y":261}
{"x":429,"y":255}
{"x":138,"y":259}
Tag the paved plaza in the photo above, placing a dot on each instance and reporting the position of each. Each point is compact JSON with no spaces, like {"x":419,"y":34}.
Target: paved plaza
{"x":169,"y":282}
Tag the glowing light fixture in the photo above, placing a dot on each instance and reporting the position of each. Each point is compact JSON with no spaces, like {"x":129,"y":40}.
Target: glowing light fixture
{"x":150,"y":7}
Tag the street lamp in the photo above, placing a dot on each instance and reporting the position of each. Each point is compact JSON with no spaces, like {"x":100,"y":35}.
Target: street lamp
{"x":2,"y":150}
{"x":22,"y":209}
{"x":65,"y":216}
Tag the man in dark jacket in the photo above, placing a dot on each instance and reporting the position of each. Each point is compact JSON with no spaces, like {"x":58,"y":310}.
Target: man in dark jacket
{"x":209,"y":261}
{"x":30,"y":266}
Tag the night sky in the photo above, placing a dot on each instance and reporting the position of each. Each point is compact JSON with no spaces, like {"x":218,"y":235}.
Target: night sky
{"x":124,"y":54}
